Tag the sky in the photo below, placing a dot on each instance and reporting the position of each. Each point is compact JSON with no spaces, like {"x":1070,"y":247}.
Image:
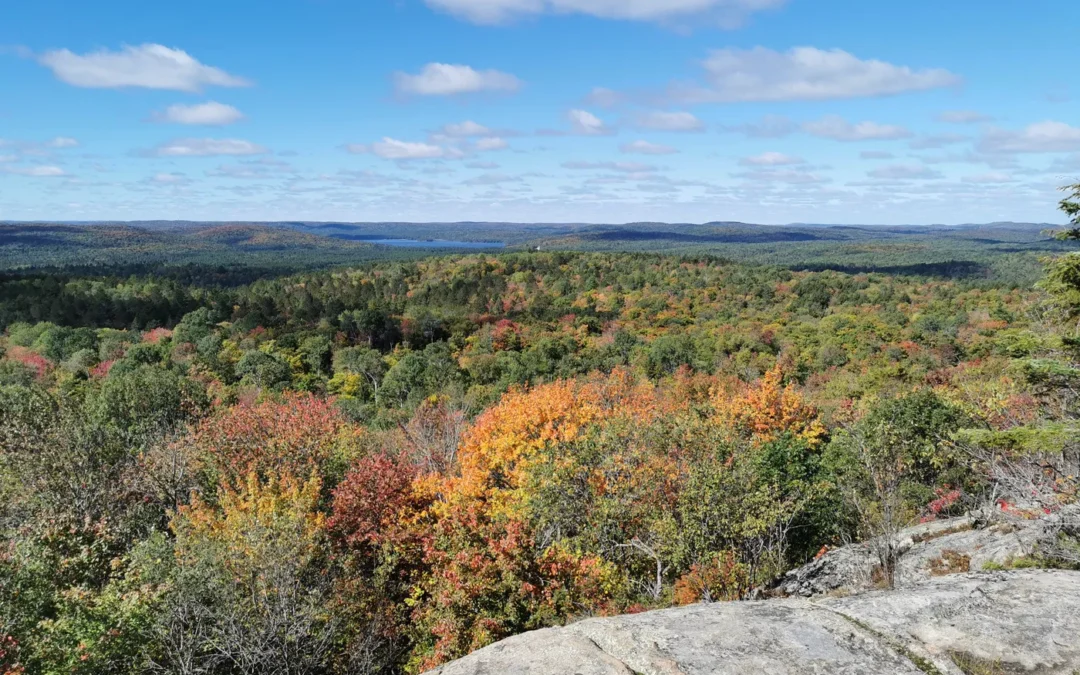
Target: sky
{"x":609,"y":111}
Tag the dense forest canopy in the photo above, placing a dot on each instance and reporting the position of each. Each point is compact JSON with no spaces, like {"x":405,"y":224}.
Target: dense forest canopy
{"x":214,"y":468}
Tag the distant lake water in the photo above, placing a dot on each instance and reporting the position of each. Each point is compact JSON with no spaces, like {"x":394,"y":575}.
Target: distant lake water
{"x":436,"y":243}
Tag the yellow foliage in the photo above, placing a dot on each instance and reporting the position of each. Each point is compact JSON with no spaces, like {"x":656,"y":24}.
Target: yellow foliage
{"x":260,"y":521}
{"x":766,"y":409}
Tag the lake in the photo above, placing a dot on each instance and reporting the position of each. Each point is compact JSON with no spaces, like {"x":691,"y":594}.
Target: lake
{"x":436,"y":243}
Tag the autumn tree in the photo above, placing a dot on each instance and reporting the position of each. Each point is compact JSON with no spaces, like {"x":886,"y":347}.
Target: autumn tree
{"x":251,"y":588}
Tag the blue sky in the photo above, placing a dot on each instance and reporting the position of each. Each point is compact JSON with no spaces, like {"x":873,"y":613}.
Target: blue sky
{"x":769,"y":111}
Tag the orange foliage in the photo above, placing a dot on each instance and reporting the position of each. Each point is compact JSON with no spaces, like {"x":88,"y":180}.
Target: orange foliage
{"x":498,"y":450}
{"x":722,"y":579}
{"x":767,"y":409}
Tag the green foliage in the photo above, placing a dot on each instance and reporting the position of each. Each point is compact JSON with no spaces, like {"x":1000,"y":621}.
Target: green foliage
{"x":487,"y":444}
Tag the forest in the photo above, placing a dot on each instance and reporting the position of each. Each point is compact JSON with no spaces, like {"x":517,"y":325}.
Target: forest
{"x":377,"y":467}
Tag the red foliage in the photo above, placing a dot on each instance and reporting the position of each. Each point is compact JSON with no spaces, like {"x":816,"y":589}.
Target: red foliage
{"x":488,"y":582}
{"x":31,"y":359}
{"x":376,"y":502}
{"x":102,"y":369}
{"x":505,"y":335}
{"x":157,"y":335}
{"x":946,"y":498}
{"x":293,"y":435}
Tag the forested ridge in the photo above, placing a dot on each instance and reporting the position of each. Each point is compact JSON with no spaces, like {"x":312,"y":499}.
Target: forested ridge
{"x":377,"y":469}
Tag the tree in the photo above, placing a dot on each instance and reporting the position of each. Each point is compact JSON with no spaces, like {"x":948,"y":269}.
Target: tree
{"x":1071,"y":207}
{"x":365,"y":362}
{"x":888,"y":463}
{"x":262,"y":370}
{"x":296,"y":434}
{"x":252,"y":588}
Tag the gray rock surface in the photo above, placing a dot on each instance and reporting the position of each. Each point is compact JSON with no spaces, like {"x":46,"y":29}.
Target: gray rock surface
{"x":1011,"y":622}
{"x":923,"y":547}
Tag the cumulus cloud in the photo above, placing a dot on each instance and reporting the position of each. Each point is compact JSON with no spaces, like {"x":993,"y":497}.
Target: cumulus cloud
{"x":729,"y":12}
{"x":769,"y":126}
{"x":647,"y":148}
{"x":962,"y":117}
{"x":839,"y":129}
{"x":169,"y":179}
{"x":40,"y":171}
{"x":904,"y":172}
{"x":771,"y":159}
{"x":604,"y":97}
{"x":490,"y":144}
{"x":491,"y":179}
{"x":993,"y":177}
{"x":206,"y":147}
{"x":467,"y":129}
{"x":445,"y":79}
{"x":585,"y":123}
{"x":1048,"y":136}
{"x":150,"y":66}
{"x":935,"y":141}
{"x":210,"y":113}
{"x":803,"y":74}
{"x":623,"y":167}
{"x":669,"y":121}
{"x":788,"y":176}
{"x":391,"y":148}
{"x":61,"y":142}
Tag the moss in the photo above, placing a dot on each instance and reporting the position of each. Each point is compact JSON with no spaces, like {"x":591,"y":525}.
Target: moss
{"x":950,"y":562}
{"x":925,"y":665}
{"x":973,"y":665}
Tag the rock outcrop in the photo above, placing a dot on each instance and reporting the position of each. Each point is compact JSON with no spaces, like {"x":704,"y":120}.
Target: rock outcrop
{"x":1025,"y":621}
{"x":970,"y":543}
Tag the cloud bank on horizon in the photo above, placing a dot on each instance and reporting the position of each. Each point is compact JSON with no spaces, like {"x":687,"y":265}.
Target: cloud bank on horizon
{"x":537,"y":110}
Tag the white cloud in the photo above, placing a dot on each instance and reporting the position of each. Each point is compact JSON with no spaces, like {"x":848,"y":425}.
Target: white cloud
{"x":771,"y":159}
{"x":647,"y":148}
{"x":207,"y":147}
{"x":989,"y":178}
{"x":937,"y":141}
{"x":210,"y":113}
{"x":1048,"y":136}
{"x":587,"y":124}
{"x":769,"y":126}
{"x":8,"y":158}
{"x":491,"y":179}
{"x":788,"y":176}
{"x":604,"y":97}
{"x":467,"y":129}
{"x":729,"y":12}
{"x":624,"y":167}
{"x":150,"y":66}
{"x":903,"y":172}
{"x":839,"y":129}
{"x":61,"y":142}
{"x":803,"y":74}
{"x":963,"y":117}
{"x":391,"y":148}
{"x":444,"y":79}
{"x":169,"y":179}
{"x":669,"y":121}
{"x":490,"y":144}
{"x":482,"y":165}
{"x":36,"y":171}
